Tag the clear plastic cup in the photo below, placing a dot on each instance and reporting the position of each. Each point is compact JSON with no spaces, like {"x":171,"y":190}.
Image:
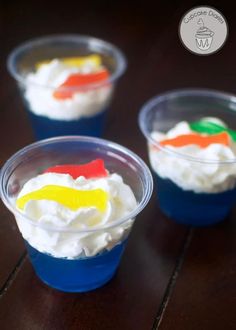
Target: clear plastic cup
{"x":81,"y":273}
{"x":84,"y":111}
{"x":190,"y":190}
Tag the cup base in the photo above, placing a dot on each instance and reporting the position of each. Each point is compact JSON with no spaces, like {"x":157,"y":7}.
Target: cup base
{"x":190,"y":208}
{"x":44,"y":127}
{"x":79,"y":290}
{"x":76,"y":275}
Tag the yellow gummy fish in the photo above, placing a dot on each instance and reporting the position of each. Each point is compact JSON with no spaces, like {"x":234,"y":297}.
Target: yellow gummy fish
{"x":76,"y":61}
{"x":69,"y":197}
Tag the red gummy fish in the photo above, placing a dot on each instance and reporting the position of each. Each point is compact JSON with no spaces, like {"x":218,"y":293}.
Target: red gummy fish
{"x":94,"y":169}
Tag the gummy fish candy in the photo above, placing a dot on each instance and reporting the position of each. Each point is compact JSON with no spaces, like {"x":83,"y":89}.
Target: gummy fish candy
{"x":201,"y":141}
{"x":69,"y":197}
{"x":204,"y":126}
{"x":77,"y":80}
{"x":94,"y":169}
{"x":78,"y":61}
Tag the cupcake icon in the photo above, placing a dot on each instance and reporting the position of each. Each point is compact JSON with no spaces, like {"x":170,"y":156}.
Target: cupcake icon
{"x":203,"y":36}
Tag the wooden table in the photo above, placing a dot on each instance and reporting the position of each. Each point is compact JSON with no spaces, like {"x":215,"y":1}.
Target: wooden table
{"x":171,"y":276}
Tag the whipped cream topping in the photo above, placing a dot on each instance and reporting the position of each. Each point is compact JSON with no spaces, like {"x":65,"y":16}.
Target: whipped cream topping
{"x":193,"y":175}
{"x":41,"y":85}
{"x":76,"y":244}
{"x":204,"y":32}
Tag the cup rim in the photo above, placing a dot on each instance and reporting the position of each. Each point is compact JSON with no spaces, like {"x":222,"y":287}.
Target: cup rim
{"x":118,"y":54}
{"x":201,"y":92}
{"x":101,"y":142}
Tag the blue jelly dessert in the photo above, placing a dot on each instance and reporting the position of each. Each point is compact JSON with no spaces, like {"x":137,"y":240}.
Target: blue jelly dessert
{"x":74,"y":243}
{"x":79,"y":274}
{"x":195,"y":169}
{"x":188,"y":207}
{"x":44,"y":127}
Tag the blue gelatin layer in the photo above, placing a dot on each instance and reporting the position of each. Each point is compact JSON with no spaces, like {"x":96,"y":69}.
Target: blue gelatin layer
{"x":196,"y":209}
{"x":44,"y":127}
{"x":76,"y":275}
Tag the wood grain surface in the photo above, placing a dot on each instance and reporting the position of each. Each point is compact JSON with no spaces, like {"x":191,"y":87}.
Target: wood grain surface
{"x":171,"y":276}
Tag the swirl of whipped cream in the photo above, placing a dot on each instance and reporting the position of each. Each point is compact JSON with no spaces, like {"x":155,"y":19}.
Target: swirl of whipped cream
{"x":64,"y":244}
{"x":204,"y":32}
{"x":193,"y":175}
{"x":41,"y":85}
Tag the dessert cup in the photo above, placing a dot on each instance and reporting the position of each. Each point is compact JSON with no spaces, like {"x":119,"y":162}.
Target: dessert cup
{"x":189,"y":190}
{"x":80,"y":273}
{"x":85,"y":112}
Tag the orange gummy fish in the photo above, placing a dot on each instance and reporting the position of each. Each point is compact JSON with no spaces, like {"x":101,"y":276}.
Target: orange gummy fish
{"x":201,"y":141}
{"x":77,"y":80}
